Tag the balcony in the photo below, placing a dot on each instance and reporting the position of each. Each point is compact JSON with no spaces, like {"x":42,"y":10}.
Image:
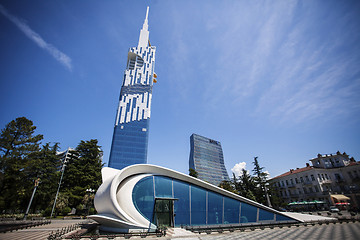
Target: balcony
{"x":327,"y":181}
{"x":340,"y":181}
{"x":294,"y":195}
{"x":291,"y":185}
{"x":308,"y":182}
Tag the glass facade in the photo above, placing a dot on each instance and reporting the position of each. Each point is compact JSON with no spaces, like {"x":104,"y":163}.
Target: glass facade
{"x":129,"y":144}
{"x":194,"y":205}
{"x":207,"y":159}
{"x":131,"y":131}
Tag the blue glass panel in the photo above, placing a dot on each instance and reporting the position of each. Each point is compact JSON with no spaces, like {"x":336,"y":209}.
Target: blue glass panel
{"x":248,"y":213}
{"x":163,"y":187}
{"x":283,"y":218}
{"x":215,"y":208}
{"x":143,"y":197}
{"x":231,"y":210}
{"x":182,"y":205}
{"x":129,"y":144}
{"x":198,"y":206}
{"x":265,"y":215}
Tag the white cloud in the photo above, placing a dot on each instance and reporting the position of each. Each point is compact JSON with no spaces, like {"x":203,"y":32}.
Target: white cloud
{"x":53,"y":51}
{"x":237,"y":169}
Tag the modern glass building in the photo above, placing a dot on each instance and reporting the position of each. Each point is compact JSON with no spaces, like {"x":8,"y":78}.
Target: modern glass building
{"x":143,"y":197}
{"x":131,"y":131}
{"x":207,"y":159}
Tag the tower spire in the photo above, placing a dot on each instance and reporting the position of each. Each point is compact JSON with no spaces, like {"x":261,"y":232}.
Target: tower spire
{"x":144,"y":32}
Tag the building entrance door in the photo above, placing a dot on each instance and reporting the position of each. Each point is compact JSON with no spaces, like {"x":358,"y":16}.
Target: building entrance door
{"x":164,"y":212}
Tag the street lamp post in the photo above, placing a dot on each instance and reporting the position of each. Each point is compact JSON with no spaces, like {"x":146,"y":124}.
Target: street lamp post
{"x":89,"y":191}
{"x":57,"y":193}
{"x":37,"y":181}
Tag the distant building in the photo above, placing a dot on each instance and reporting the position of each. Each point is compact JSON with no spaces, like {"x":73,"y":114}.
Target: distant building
{"x":333,"y":179}
{"x":207,"y":159}
{"x":130,"y":139}
{"x":65,"y":155}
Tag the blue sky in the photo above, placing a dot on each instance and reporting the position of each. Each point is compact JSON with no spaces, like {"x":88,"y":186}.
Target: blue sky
{"x":275,"y":79}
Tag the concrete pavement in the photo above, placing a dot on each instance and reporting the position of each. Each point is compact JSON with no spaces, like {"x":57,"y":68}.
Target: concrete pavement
{"x":40,"y":232}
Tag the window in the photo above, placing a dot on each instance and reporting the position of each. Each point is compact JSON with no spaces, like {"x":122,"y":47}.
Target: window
{"x":301,"y":179}
{"x":305,"y":191}
{"x":306,"y":178}
{"x":198,"y":206}
{"x":231,"y":210}
{"x":163,"y":186}
{"x":143,"y":197}
{"x":291,"y":181}
{"x":296,"y":180}
{"x":282,"y":218}
{"x":248,"y":213}
{"x":312,"y":178}
{"x":316,"y":188}
{"x":215,"y":207}
{"x":182,"y":205}
{"x":265,"y":215}
{"x":287,"y":183}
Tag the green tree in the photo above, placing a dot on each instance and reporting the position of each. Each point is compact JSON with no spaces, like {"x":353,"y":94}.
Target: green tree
{"x":228,"y":185}
{"x":83,"y":171}
{"x":193,"y":173}
{"x":260,"y":180}
{"x":45,"y":166}
{"x":18,"y":147}
{"x":246,"y":185}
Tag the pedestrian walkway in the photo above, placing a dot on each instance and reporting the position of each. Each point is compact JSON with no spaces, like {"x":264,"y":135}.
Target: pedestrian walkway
{"x":40,"y":232}
{"x":348,"y":231}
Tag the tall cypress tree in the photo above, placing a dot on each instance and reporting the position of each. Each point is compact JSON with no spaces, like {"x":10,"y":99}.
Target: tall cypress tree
{"x":260,"y":179}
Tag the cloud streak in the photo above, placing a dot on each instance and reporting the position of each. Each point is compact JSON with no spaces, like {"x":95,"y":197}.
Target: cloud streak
{"x":35,"y":37}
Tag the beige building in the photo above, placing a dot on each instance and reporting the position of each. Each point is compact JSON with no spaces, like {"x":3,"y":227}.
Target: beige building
{"x":331,"y":179}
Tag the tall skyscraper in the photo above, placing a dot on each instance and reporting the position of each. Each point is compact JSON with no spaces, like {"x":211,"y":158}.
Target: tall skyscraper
{"x":207,"y":159}
{"x":131,"y":131}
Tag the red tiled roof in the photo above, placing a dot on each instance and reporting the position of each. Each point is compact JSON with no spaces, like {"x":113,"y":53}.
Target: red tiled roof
{"x":293,"y":171}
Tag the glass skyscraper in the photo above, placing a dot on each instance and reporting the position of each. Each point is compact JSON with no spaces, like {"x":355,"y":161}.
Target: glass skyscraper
{"x":131,"y":131}
{"x":207,"y":159}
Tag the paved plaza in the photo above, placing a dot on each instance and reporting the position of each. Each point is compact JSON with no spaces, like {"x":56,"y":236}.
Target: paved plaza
{"x":336,"y":231}
{"x":40,"y":232}
{"x":346,"y":231}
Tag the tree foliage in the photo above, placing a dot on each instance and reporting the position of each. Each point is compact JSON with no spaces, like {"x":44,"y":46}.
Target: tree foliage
{"x":18,"y":150}
{"x":83,"y":171}
{"x":23,"y":160}
{"x":253,"y":187}
{"x":193,"y":172}
{"x":260,"y":179}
